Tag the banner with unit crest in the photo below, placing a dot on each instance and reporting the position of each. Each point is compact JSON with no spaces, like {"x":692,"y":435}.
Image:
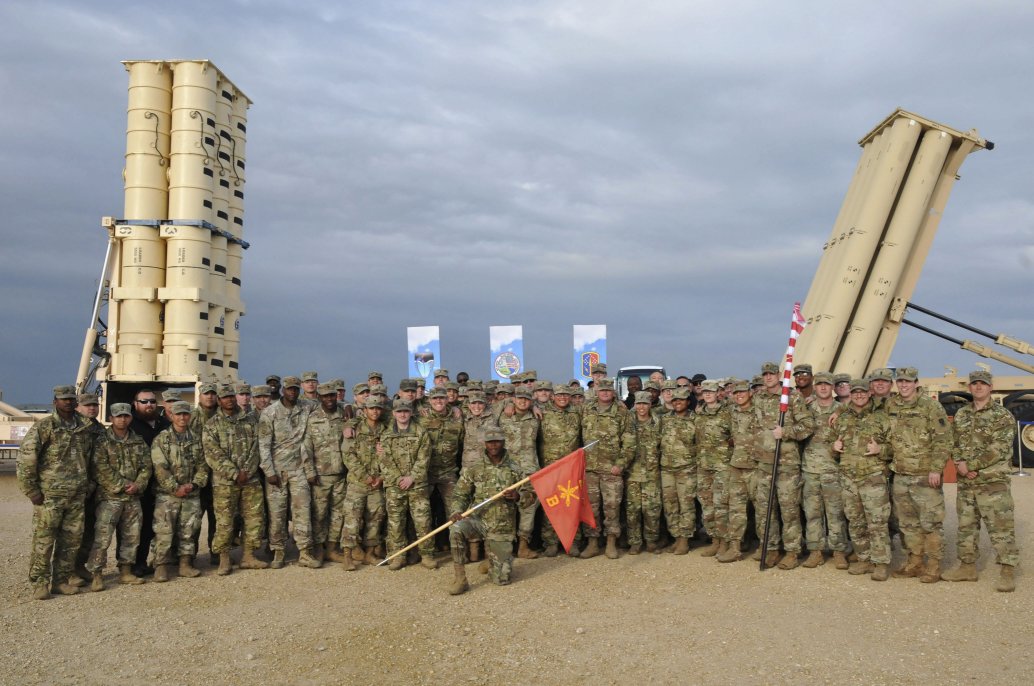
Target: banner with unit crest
{"x":506,"y":349}
{"x":590,"y":347}
{"x":425,"y":352}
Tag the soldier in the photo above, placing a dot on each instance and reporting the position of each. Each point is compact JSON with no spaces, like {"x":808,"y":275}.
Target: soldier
{"x":360,"y":392}
{"x":404,"y":452}
{"x":561,"y":430}
{"x":503,"y":400}
{"x":522,"y":431}
{"x":310,"y":381}
{"x":643,"y":482}
{"x":407,"y":392}
{"x":634,"y":385}
{"x":577,"y":396}
{"x":821,"y":493}
{"x":207,"y":406}
{"x":122,"y":468}
{"x":146,"y":424}
{"x":984,"y":433}
{"x":445,"y":433}
{"x":168,"y":398}
{"x":323,"y":447}
{"x":261,"y":398}
{"x":842,"y":388}
{"x":798,"y":424}
{"x":441,"y":377}
{"x":678,"y":464}
{"x":290,"y":475}
{"x":862,"y":437}
{"x":374,"y":378}
{"x":740,"y":475}
{"x":714,"y":434}
{"x":605,"y":463}
{"x":243,"y":391}
{"x":495,"y":523}
{"x":88,"y":407}
{"x":273,"y":381}
{"x":232,"y":453}
{"x":364,"y":495}
{"x":180,"y":472}
{"x":339,"y":388}
{"x":804,"y":381}
{"x":53,"y":465}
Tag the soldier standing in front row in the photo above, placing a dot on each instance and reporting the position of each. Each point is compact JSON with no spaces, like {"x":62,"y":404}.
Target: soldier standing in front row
{"x":679,"y":470}
{"x":323,"y":446}
{"x":643,"y":483}
{"x":610,"y":423}
{"x":821,"y":492}
{"x":364,"y":494}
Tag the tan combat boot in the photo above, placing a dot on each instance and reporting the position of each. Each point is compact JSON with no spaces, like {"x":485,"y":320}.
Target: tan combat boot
{"x":397,"y":563}
{"x":524,"y":550}
{"x":98,"y":582}
{"x":249,"y":561}
{"x":815,"y":559}
{"x":306,"y":559}
{"x":731,"y":553}
{"x":771,"y":558}
{"x":932,"y":569}
{"x":65,"y":588}
{"x":370,"y":556}
{"x":76,"y":580}
{"x":840,"y":560}
{"x":332,"y":554}
{"x":912,"y":568}
{"x":681,"y":545}
{"x":459,"y":580}
{"x":358,"y":554}
{"x":224,"y":564}
{"x":612,"y":548}
{"x":552,"y":550}
{"x":635,"y":548}
{"x":161,"y":573}
{"x":723,"y":545}
{"x":187,"y":568}
{"x":484,"y":567}
{"x":790,"y":560}
{"x":428,"y":562}
{"x":860,"y":567}
{"x":347,"y":563}
{"x":880,"y":573}
{"x":41,"y":592}
{"x":1007,"y":580}
{"x":278,"y":560}
{"x":960,"y":572}
{"x":654,"y":547}
{"x":474,"y":550}
{"x":711,"y":549}
{"x":592,"y":549}
{"x":126,"y":575}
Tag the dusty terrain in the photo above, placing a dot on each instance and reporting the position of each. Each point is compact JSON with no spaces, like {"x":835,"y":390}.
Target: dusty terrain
{"x":646,"y":619}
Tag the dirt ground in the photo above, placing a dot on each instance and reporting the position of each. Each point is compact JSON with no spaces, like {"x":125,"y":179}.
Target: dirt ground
{"x":646,"y":619}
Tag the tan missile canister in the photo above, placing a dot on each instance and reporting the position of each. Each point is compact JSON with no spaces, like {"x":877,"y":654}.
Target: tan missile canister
{"x":221,"y":219}
{"x":235,"y":247}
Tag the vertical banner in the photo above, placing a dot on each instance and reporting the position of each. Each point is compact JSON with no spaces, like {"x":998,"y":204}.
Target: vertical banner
{"x":507,"y":351}
{"x":590,"y":347}
{"x":425,"y":354}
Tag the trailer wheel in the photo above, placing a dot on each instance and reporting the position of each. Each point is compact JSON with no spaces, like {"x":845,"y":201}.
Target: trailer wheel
{"x":1026,"y":442}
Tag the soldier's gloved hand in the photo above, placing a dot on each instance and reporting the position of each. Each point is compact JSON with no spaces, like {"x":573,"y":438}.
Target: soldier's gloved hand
{"x":242,"y":477}
{"x":455,"y":517}
{"x":273,"y":480}
{"x":36,"y":499}
{"x":314,"y":480}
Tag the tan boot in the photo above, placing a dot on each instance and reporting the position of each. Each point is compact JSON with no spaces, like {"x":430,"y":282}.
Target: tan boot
{"x":126,"y":575}
{"x":428,"y":562}
{"x":840,"y":560}
{"x":347,"y":563}
{"x":731,"y":553}
{"x":98,"y":582}
{"x":912,"y":568}
{"x":758,"y":554}
{"x":187,"y":568}
{"x":524,"y":550}
{"x":358,"y":554}
{"x":1006,"y":580}
{"x":681,"y":546}
{"x":278,"y":560}
{"x":332,"y":554}
{"x":397,"y":563}
{"x":161,"y":573}
{"x":41,"y":592}
{"x":723,"y":545}
{"x":370,"y":556}
{"x":65,"y":588}
{"x":552,"y":550}
{"x":474,"y":550}
{"x":459,"y":580}
{"x":853,"y":557}
{"x":635,"y":548}
{"x":224,"y":564}
{"x":249,"y":561}
{"x":592,"y":549}
{"x":931,"y":571}
{"x":860,"y":567}
{"x":790,"y":560}
{"x":654,"y":547}
{"x":306,"y":559}
{"x":319,"y":552}
{"x":772,"y":558}
{"x":76,"y":580}
{"x":960,"y":572}
{"x":880,"y":573}
{"x":483,"y":567}
{"x":815,"y":559}
{"x":612,"y":548}
{"x":710,"y":550}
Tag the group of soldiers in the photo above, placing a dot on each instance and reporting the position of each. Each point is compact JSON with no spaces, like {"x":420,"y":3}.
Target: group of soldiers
{"x":291,"y":458}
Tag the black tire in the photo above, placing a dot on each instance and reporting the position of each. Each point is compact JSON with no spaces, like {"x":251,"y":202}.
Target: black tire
{"x":953,"y":401}
{"x":1026,"y":442}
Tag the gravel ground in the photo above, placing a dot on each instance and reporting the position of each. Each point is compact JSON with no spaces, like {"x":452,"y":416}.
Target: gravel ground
{"x":650,"y":618}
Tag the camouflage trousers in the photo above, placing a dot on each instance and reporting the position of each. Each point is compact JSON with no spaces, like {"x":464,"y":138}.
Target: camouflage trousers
{"x":498,"y":551}
{"x":177,"y":523}
{"x":920,"y":511}
{"x":89,"y":525}
{"x":416,"y":503}
{"x":740,"y":489}
{"x":867,"y":507}
{"x":328,"y":509}
{"x":714,"y":501}
{"x":124,"y":516}
{"x":246,"y":501}
{"x":824,"y":522}
{"x":605,"y":492}
{"x":678,"y":492}
{"x":57,"y":530}
{"x":643,"y":510}
{"x":364,"y":514}
{"x":293,"y":493}
{"x":445,"y":485}
{"x":993,"y":504}
{"x":788,"y":500}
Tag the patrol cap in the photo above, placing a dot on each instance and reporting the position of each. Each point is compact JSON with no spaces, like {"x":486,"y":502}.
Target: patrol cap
{"x":531,"y":375}
{"x":326,"y":389}
{"x":374,"y":375}
{"x":272,"y":377}
{"x":841,"y":378}
{"x":463,"y":391}
{"x":438,"y":373}
{"x":578,"y":390}
{"x":543,"y":386}
{"x":88,"y":399}
{"x":226,"y":390}
{"x":310,"y":376}
{"x":881,"y":374}
{"x":756,"y":380}
{"x":120,"y":410}
{"x":859,"y":385}
{"x":407,"y":385}
{"x":598,"y":368}
{"x":209,"y":387}
{"x":824,"y":377}
{"x":979,"y":376}
{"x":669,"y":385}
{"x":709,"y":385}
{"x":292,"y":382}
{"x":452,"y":386}
{"x":522,"y":393}
{"x":475,"y":385}
{"x":64,"y":392}
{"x":242,"y":388}
{"x":170,"y":396}
{"x":680,"y":394}
{"x":504,"y":389}
{"x":560,"y":389}
{"x":338,"y":384}
{"x":493,"y":433}
{"x":402,"y":405}
{"x":802,"y":369}
{"x":652,"y":385}
{"x":907,"y":374}
{"x":574,"y":382}
{"x":360,"y":388}
{"x":770,"y":368}
{"x":643,"y":397}
{"x":181,"y":407}
{"x":374,"y":401}
{"x":740,"y":385}
{"x":476,"y":397}
{"x":437,"y":392}
{"x":698,"y":378}
{"x":604,"y":385}
{"x":378,"y":389}
{"x":261,"y":391}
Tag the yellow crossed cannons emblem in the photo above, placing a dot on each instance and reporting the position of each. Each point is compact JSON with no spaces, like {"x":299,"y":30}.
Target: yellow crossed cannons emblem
{"x":565,"y":493}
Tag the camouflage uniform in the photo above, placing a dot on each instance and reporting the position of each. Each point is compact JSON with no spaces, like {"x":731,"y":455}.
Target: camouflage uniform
{"x":178,"y":459}
{"x":198,"y":418}
{"x":616,"y":448}
{"x":921,"y":443}
{"x":643,"y":483}
{"x":406,"y":453}
{"x":473,"y":447}
{"x":825,"y":523}
{"x":740,"y":483}
{"x":364,"y":505}
{"x":864,"y":481}
{"x":561,"y":431}
{"x":714,"y":436}
{"x":231,"y":446}
{"x":984,"y":440}
{"x":678,"y":463}
{"x":522,"y":445}
{"x":323,"y":447}
{"x":445,"y":432}
{"x":119,"y":462}
{"x":54,"y":461}
{"x":281,"y":430}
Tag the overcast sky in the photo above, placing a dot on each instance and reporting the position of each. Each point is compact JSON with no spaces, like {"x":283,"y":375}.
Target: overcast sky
{"x":669,"y":169}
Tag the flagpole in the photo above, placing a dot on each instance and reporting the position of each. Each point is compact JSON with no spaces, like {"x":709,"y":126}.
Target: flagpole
{"x":465,"y":514}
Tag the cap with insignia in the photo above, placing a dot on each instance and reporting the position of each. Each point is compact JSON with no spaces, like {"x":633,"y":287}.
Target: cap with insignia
{"x":770,"y":368}
{"x":680,"y":394}
{"x":802,"y":369}
{"x":493,"y":433}
{"x":210,"y":387}
{"x":709,"y":386}
{"x":272,"y":377}
{"x":292,"y":382}
{"x":979,"y":376}
{"x":440,"y":373}
{"x":824,"y":377}
{"x":181,"y":407}
{"x":530,"y":375}
{"x":475,"y":385}
{"x":841,"y":378}
{"x":326,"y":389}
{"x":504,"y":389}
{"x":170,"y":396}
{"x":604,"y":385}
{"x":560,"y":389}
{"x":402,"y":405}
{"x":407,"y":385}
{"x":65,"y":392}
{"x":242,"y":388}
{"x":360,"y":388}
{"x":578,"y":390}
{"x":374,"y":375}
{"x":310,"y":376}
{"x":740,"y":385}
{"x":261,"y":391}
{"x":437,"y":392}
{"x":522,"y":393}
{"x":859,"y":385}
{"x":907,"y":374}
{"x":451,"y":386}
{"x":476,"y":397}
{"x":543,"y":386}
{"x":756,"y":380}
{"x":881,"y":374}
{"x":226,"y":390}
{"x":374,"y":401}
{"x":378,"y":389}
{"x":652,"y":385}
{"x":669,"y":385}
{"x":339,"y":384}
{"x":121,"y":410}
{"x":88,"y":399}
{"x":598,"y":368}
{"x":643,"y":397}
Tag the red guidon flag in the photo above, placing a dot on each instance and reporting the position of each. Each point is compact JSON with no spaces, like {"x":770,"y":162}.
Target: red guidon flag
{"x":561,"y":490}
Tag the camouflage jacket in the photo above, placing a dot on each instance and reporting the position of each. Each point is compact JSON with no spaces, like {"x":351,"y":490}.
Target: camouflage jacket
{"x":179,"y":459}
{"x":855,"y":428}
{"x":984,"y":439}
{"x":281,"y":430}
{"x":198,"y":419}
{"x":473,"y":447}
{"x":445,"y":433}
{"x":741,"y":430}
{"x":714,"y":435}
{"x":561,"y":433}
{"x":55,"y":457}
{"x":818,"y":451}
{"x":118,"y":462}
{"x":231,"y":446}
{"x":646,"y":465}
{"x":798,"y":425}
{"x":406,"y":453}
{"x":522,"y":439}
{"x":678,"y":442}
{"x":324,"y":444}
{"x":920,"y":438}
{"x":482,"y":481}
{"x":361,"y":458}
{"x":616,"y":435}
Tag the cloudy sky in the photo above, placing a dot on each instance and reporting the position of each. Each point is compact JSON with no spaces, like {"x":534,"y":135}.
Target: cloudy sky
{"x":669,"y":169}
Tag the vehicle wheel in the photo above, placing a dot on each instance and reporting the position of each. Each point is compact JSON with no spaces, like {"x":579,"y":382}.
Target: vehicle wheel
{"x":953,"y":401}
{"x":1026,"y":442}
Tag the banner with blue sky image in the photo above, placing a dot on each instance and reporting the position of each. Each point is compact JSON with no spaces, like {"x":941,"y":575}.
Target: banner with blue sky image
{"x":506,"y":345}
{"x":590,"y":347}
{"x":425,"y":353}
